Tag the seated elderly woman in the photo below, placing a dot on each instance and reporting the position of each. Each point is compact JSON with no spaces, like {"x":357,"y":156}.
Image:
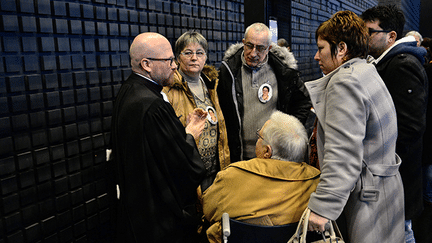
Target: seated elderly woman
{"x":278,"y":183}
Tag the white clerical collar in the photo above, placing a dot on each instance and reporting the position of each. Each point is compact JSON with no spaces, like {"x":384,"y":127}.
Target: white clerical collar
{"x":165,"y":97}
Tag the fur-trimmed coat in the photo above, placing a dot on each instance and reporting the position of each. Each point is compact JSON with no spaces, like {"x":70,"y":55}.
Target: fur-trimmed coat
{"x":181,"y":98}
{"x":292,"y":97}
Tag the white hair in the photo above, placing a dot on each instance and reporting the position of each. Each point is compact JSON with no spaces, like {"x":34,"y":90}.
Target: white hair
{"x":287,"y":136}
{"x":415,"y":33}
{"x":259,"y":27}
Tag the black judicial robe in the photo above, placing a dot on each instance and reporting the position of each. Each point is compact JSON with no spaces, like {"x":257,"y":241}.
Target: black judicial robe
{"x":158,"y":167}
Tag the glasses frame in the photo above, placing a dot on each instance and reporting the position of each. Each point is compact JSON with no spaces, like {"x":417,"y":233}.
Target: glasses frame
{"x":259,"y":135}
{"x":259,"y":48}
{"x":171,"y":59}
{"x":371,"y":31}
{"x":194,"y":53}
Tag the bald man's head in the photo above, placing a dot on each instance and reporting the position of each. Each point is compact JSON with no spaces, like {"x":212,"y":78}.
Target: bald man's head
{"x":147,"y":45}
{"x":152,"y":56}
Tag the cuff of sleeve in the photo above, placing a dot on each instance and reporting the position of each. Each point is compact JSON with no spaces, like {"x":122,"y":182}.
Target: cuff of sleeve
{"x":326,"y":205}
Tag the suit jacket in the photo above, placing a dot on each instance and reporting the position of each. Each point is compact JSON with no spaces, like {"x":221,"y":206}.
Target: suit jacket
{"x":406,"y":80}
{"x":356,"y":141}
{"x":158,"y":167}
{"x":259,"y":188}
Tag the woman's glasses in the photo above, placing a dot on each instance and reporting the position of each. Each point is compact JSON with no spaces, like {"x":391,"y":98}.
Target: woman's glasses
{"x":189,"y":54}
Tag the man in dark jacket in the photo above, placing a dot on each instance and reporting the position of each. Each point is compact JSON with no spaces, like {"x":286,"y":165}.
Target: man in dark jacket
{"x":247,"y":68}
{"x":158,"y":167}
{"x":421,"y":225}
{"x":399,"y":63}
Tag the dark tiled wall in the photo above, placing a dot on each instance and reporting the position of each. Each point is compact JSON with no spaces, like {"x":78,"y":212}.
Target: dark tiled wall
{"x":412,"y":9}
{"x":307,"y":15}
{"x":61,"y":65}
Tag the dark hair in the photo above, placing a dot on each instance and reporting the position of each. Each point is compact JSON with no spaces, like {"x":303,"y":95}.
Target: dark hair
{"x":390,"y":18}
{"x":282,"y":42}
{"x":188,"y":37}
{"x":345,"y":26}
{"x":427,"y":43}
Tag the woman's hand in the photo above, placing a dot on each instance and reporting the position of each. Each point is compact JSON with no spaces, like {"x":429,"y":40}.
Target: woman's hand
{"x":316,"y":222}
{"x":195,"y":122}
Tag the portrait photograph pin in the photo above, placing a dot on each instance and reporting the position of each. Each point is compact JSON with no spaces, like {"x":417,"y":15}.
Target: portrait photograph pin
{"x":265,"y":93}
{"x":211,"y":116}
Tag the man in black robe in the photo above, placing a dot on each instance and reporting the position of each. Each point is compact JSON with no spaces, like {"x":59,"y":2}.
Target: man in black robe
{"x":158,"y":167}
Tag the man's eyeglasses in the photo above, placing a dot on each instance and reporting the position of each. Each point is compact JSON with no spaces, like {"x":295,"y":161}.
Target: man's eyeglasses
{"x":259,"y":48}
{"x":189,"y":54}
{"x":371,"y":31}
{"x":258,"y":134}
{"x":171,"y":59}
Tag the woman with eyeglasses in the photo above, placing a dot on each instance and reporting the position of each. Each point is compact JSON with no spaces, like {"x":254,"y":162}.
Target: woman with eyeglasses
{"x":356,"y":138}
{"x":195,"y":87}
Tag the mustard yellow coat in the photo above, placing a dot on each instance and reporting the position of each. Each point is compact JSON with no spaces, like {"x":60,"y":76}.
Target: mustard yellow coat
{"x":181,"y":99}
{"x":259,"y":188}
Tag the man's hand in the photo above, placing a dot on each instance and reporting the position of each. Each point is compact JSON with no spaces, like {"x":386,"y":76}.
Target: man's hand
{"x":195,"y":122}
{"x":316,"y":222}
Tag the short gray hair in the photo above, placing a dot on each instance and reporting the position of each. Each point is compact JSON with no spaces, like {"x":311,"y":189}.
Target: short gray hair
{"x":187,"y":38}
{"x":259,"y":27}
{"x":287,"y":136}
{"x":415,"y":33}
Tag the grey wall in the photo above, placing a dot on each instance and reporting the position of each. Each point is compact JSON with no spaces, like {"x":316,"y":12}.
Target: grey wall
{"x":306,"y":17}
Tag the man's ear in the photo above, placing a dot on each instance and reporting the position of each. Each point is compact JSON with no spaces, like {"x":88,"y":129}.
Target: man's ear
{"x":145,"y":65}
{"x":268,"y":152}
{"x":391,"y":37}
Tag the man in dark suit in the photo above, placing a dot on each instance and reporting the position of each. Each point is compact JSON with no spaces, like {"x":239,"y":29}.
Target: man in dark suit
{"x":399,"y":62}
{"x":158,"y":167}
